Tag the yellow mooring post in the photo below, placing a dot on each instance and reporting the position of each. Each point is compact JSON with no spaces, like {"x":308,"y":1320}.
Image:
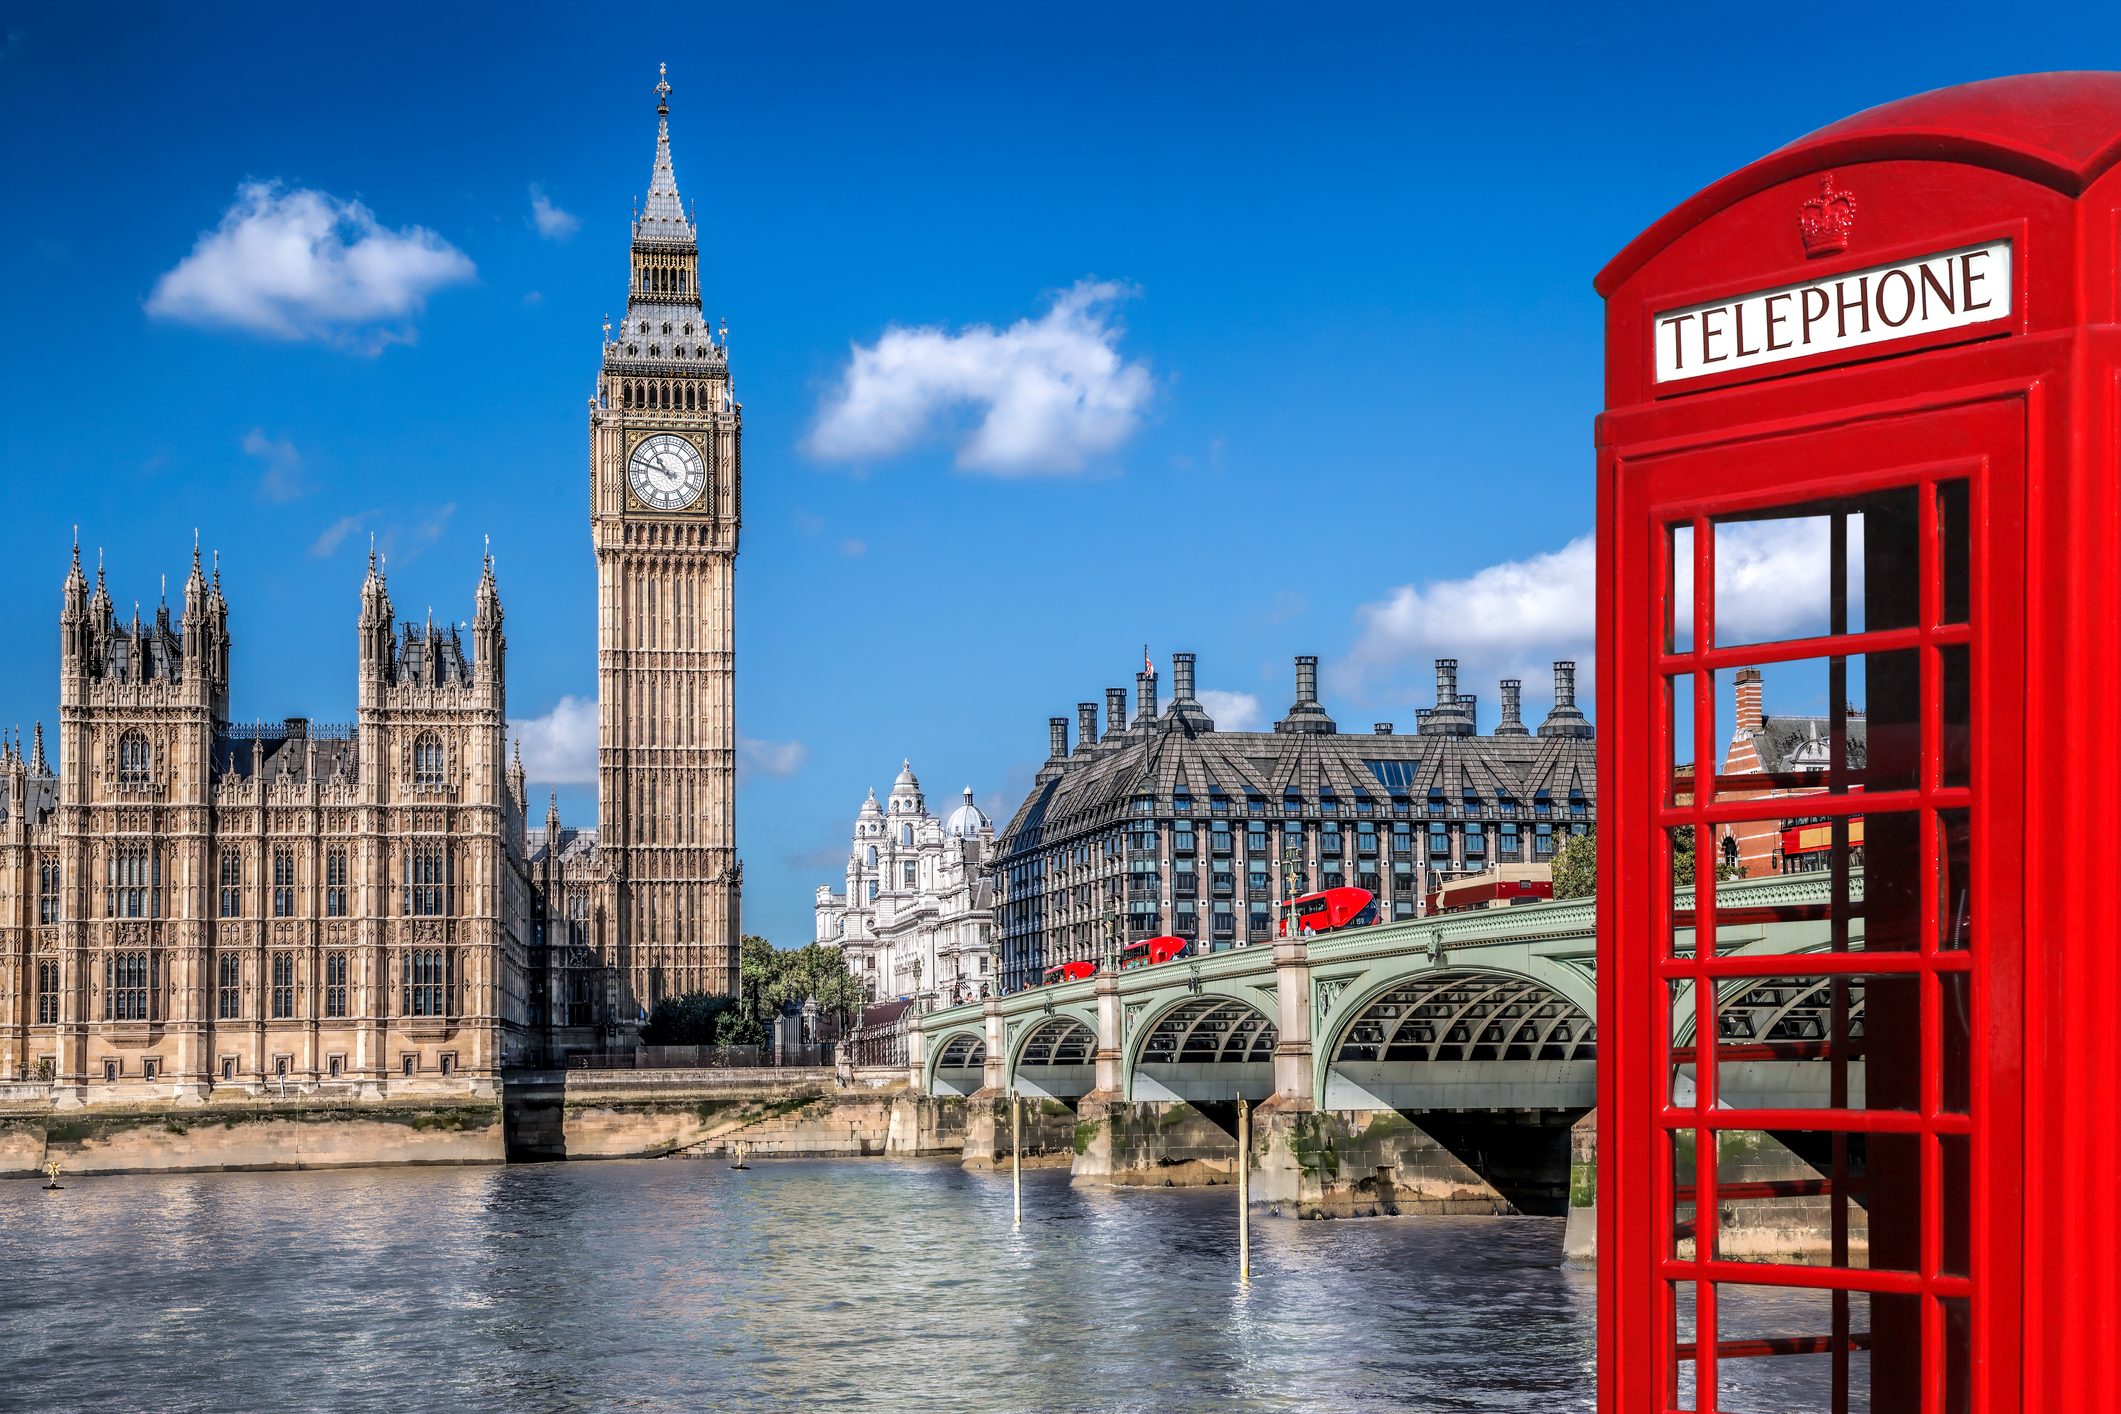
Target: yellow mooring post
{"x":1016,"y":1154}
{"x":1244,"y":1192}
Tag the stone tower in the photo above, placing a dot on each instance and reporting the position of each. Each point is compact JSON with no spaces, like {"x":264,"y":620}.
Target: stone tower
{"x":665,"y":501}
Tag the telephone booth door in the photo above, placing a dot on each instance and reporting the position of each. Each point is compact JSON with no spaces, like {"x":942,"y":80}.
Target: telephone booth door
{"x":1824,"y":1132}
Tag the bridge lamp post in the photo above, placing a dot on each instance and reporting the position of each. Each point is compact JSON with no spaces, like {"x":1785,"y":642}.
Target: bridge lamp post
{"x":1292,"y":873}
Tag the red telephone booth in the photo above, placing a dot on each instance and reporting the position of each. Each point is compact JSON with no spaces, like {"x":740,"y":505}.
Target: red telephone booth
{"x":1859,"y":536}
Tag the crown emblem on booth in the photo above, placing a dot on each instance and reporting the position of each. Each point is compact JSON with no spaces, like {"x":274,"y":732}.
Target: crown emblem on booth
{"x":1824,"y":220}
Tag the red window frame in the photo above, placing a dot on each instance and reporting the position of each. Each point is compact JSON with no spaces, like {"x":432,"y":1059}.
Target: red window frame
{"x":1651,"y":488}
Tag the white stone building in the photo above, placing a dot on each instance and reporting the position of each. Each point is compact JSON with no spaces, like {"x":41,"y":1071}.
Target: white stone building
{"x":916,"y":916}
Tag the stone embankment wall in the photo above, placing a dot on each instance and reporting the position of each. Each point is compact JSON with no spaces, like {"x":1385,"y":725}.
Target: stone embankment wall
{"x":254,"y":1134}
{"x":773,"y":1114}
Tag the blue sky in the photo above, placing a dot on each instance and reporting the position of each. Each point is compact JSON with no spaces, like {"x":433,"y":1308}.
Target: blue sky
{"x":1313,"y":285}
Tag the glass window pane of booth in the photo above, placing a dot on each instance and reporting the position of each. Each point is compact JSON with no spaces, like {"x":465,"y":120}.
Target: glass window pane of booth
{"x":1823,"y":1135}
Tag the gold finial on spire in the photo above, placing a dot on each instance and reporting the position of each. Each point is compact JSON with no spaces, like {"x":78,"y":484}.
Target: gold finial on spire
{"x":662,"y":90}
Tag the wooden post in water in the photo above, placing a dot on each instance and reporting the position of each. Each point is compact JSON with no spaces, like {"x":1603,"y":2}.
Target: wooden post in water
{"x":1244,"y":1192}
{"x":1016,"y":1154}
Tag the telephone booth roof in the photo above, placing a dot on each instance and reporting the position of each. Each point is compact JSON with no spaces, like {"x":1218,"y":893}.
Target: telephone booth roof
{"x":2062,"y":130}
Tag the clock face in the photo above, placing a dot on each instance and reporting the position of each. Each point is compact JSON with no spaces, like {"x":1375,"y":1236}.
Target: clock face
{"x":666,"y":472}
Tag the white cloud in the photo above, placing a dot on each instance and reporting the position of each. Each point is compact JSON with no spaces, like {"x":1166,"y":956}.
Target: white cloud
{"x":560,"y":748}
{"x":1773,"y":578}
{"x":854,"y":549}
{"x":282,"y":480}
{"x":335,"y":534}
{"x":1507,"y":620}
{"x":303,"y":264}
{"x":771,"y":758}
{"x":1233,"y":711}
{"x":552,"y":223}
{"x":1043,"y":395}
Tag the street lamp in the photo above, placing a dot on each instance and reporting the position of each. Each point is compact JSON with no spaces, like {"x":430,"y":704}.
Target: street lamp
{"x":1292,"y":874}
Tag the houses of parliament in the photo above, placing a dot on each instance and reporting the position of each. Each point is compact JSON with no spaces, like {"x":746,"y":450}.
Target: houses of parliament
{"x":191,"y":905}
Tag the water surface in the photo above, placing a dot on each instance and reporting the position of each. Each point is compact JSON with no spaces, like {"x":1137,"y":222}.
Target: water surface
{"x":680,"y":1284}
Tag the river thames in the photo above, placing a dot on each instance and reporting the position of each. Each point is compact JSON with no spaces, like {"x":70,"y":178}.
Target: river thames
{"x":680,"y":1284}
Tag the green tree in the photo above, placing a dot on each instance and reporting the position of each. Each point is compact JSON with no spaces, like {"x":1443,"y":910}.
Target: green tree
{"x":771,"y":979}
{"x":734,"y":1028}
{"x":688,"y":1020}
{"x":1576,"y":866}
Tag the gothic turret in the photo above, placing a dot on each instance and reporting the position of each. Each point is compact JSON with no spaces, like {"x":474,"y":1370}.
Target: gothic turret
{"x":73,"y":617}
{"x":102,"y":618}
{"x":488,"y":642}
{"x":374,"y":629}
{"x":195,"y":596}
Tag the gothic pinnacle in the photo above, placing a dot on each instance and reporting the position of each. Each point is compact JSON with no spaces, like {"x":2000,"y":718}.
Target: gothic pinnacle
{"x":662,"y":90}
{"x":36,"y":759}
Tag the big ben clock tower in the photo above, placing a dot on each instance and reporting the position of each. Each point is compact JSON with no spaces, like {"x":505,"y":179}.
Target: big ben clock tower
{"x":665,"y":500}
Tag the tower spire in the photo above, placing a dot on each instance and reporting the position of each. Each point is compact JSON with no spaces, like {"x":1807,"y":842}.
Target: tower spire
{"x":662,"y":215}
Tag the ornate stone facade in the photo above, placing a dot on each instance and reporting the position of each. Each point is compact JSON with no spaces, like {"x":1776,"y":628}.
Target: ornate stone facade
{"x":190,"y":904}
{"x":916,"y":917}
{"x":665,"y":481}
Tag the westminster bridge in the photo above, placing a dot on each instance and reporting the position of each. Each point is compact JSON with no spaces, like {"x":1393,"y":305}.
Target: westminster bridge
{"x":1438,"y":1064}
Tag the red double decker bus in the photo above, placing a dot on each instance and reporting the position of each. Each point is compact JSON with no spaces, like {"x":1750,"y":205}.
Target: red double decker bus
{"x":1150,"y":951}
{"x":1330,"y":909}
{"x":1499,"y":887}
{"x":1067,"y":972}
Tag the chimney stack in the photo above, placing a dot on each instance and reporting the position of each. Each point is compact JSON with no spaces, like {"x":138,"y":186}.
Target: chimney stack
{"x":1453,"y":714}
{"x":1750,"y":716}
{"x":1115,"y":711}
{"x":1181,"y":679}
{"x":1306,"y":715}
{"x":1566,"y":719}
{"x":1512,"y":723}
{"x":1184,"y":706}
{"x":1056,"y":751}
{"x":1144,"y":698}
{"x":1381,"y":728}
{"x":1085,"y":726}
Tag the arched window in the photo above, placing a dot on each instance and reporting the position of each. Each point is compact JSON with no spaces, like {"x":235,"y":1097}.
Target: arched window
{"x":231,"y":882}
{"x":133,"y":759}
{"x":905,"y":834}
{"x":872,"y":856}
{"x":427,"y":760}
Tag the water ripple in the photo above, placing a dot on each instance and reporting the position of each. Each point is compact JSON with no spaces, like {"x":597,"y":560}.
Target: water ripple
{"x":681,"y":1284}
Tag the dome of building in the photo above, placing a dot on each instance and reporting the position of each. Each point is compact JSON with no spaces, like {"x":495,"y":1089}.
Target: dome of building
{"x":905,"y":779}
{"x":967,"y":820}
{"x":869,"y":806}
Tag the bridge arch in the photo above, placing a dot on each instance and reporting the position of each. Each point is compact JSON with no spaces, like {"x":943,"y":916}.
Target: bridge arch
{"x":1778,"y":1037}
{"x":1200,"y":1047}
{"x":1460,"y":1038}
{"x":1056,"y":1058}
{"x":959,"y":1067}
